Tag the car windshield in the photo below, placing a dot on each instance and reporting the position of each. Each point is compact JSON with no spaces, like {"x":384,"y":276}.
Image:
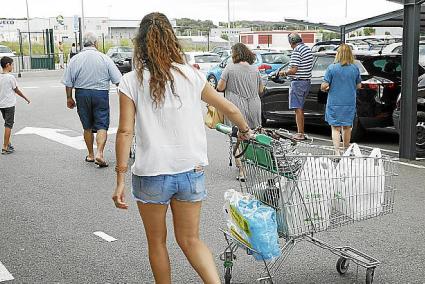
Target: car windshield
{"x":210,"y":58}
{"x":125,"y":49}
{"x":275,"y":58}
{"x":5,"y":49}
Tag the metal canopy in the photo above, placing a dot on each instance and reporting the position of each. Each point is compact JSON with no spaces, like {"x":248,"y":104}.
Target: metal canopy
{"x":390,"y":19}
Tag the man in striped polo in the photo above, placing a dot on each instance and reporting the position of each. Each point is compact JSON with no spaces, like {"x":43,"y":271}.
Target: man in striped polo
{"x":299,"y":73}
{"x":89,"y":73}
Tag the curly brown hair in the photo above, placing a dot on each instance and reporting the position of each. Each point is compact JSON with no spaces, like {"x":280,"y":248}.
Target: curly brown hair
{"x":156,"y":48}
{"x":242,"y":53}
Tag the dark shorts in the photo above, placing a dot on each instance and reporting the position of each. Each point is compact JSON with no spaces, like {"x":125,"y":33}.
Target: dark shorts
{"x":93,"y":109}
{"x":298,"y":91}
{"x":8,"y":114}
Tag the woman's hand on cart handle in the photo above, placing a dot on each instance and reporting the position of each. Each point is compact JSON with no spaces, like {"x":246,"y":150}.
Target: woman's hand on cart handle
{"x":245,"y":134}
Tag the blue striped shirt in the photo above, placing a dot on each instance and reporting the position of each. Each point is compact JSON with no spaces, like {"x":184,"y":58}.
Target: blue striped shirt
{"x":302,"y":58}
{"x":92,"y":70}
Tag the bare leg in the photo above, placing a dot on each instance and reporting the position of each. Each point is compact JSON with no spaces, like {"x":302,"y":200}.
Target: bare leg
{"x":186,"y":228}
{"x":346,"y":136}
{"x":153,"y":217}
{"x":6,"y":138}
{"x":101,"y":137}
{"x":89,"y":139}
{"x":299,"y":118}
{"x":336,"y":138}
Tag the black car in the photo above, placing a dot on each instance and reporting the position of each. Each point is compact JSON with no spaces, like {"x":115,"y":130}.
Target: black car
{"x":122,"y":57}
{"x":420,"y":134}
{"x":376,"y":100}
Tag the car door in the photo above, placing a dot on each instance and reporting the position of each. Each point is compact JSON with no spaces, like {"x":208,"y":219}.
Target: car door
{"x":274,"y":101}
{"x":315,"y":102}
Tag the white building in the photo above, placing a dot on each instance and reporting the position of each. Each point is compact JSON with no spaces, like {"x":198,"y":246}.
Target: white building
{"x":232,"y":33}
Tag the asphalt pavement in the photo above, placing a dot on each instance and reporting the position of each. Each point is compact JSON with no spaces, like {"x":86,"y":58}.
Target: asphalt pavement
{"x":52,"y":203}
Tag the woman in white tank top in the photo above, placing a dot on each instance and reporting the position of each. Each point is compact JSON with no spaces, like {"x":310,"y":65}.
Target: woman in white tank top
{"x":160,"y":101}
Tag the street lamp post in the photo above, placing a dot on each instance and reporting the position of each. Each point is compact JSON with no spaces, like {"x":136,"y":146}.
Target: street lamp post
{"x":28,"y":27}
{"x":82,"y":17}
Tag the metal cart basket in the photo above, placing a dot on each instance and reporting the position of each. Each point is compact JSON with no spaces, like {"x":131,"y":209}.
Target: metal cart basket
{"x":312,"y":190}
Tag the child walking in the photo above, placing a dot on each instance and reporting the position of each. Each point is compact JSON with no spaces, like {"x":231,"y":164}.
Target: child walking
{"x":8,"y":91}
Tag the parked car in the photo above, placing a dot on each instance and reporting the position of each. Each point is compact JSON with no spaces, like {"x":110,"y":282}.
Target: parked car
{"x":5,"y":51}
{"x":322,"y":45}
{"x":122,"y":57}
{"x":224,"y":53}
{"x":376,"y":100}
{"x":398,"y":48}
{"x":202,"y":61}
{"x":266,"y":62}
{"x":420,"y":126}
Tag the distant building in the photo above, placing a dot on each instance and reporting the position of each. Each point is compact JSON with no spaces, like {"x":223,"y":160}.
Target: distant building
{"x":232,"y":33}
{"x":276,"y":39}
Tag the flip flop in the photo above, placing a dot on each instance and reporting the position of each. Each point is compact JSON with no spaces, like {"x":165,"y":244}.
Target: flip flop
{"x":299,"y":137}
{"x":7,"y":151}
{"x":88,"y":161}
{"x":101,"y":163}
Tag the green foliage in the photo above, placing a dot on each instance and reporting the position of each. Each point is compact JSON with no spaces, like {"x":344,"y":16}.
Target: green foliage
{"x":225,"y":37}
{"x":187,"y":26}
{"x":329,"y":35}
{"x":368,"y":31}
{"x":387,"y":33}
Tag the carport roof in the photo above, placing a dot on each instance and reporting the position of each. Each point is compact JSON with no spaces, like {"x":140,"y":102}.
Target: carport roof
{"x":390,"y":19}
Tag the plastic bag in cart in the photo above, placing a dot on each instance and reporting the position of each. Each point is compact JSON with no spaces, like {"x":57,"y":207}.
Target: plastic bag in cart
{"x":360,"y":184}
{"x":253,"y":224}
{"x":307,"y":199}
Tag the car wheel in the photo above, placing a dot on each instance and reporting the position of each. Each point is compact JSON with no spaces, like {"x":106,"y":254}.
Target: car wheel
{"x":213,"y":81}
{"x":358,"y":130}
{"x":420,"y":135}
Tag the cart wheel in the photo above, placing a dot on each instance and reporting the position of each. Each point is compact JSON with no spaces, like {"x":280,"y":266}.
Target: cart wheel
{"x":369,"y":275}
{"x":342,"y":265}
{"x":227,"y":275}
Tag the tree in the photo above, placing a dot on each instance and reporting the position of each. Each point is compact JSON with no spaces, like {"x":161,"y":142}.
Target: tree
{"x":225,"y":37}
{"x":368,"y":31}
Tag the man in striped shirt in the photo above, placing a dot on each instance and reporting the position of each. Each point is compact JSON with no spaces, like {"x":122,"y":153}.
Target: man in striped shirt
{"x":299,"y":73}
{"x":90,"y":73}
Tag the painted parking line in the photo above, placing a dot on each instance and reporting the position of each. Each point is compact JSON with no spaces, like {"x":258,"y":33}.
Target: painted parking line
{"x":383,"y":150}
{"x":105,"y":236}
{"x":31,"y":87}
{"x":362,"y":146}
{"x":5,"y":274}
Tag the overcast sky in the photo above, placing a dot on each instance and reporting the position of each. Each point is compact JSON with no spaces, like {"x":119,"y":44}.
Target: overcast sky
{"x":216,"y":10}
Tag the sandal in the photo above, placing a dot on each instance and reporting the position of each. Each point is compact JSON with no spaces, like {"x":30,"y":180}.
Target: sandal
{"x":6,"y":151}
{"x":101,"y":163}
{"x":88,"y":160}
{"x":299,"y":137}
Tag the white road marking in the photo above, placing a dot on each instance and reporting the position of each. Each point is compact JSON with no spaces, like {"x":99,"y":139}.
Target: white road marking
{"x":383,"y":150}
{"x":105,"y":236}
{"x":31,"y":87}
{"x":362,"y":146}
{"x":5,"y":274}
{"x":57,"y":86}
{"x":76,"y":142}
{"x":56,"y":135}
{"x":411,"y":165}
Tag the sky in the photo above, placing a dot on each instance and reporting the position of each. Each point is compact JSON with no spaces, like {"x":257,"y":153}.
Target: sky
{"x":216,"y":10}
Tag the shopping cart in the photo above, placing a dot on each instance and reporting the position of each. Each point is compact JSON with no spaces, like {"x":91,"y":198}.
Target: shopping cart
{"x":312,"y":190}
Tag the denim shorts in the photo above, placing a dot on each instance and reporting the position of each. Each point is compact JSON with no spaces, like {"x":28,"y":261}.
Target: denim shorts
{"x":298,"y":91}
{"x":93,"y":109}
{"x":188,"y":186}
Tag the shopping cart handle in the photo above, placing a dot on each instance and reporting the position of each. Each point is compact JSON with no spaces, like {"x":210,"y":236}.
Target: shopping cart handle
{"x":220,"y":127}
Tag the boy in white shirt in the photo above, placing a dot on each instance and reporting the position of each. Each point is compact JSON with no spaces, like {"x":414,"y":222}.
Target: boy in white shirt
{"x":8,"y":91}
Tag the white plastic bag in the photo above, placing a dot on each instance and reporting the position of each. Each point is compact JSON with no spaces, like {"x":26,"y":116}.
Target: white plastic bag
{"x":308,"y":200}
{"x":253,"y":224}
{"x":360,"y":184}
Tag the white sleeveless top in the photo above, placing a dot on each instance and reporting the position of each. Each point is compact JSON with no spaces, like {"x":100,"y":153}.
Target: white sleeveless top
{"x":171,"y":138}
